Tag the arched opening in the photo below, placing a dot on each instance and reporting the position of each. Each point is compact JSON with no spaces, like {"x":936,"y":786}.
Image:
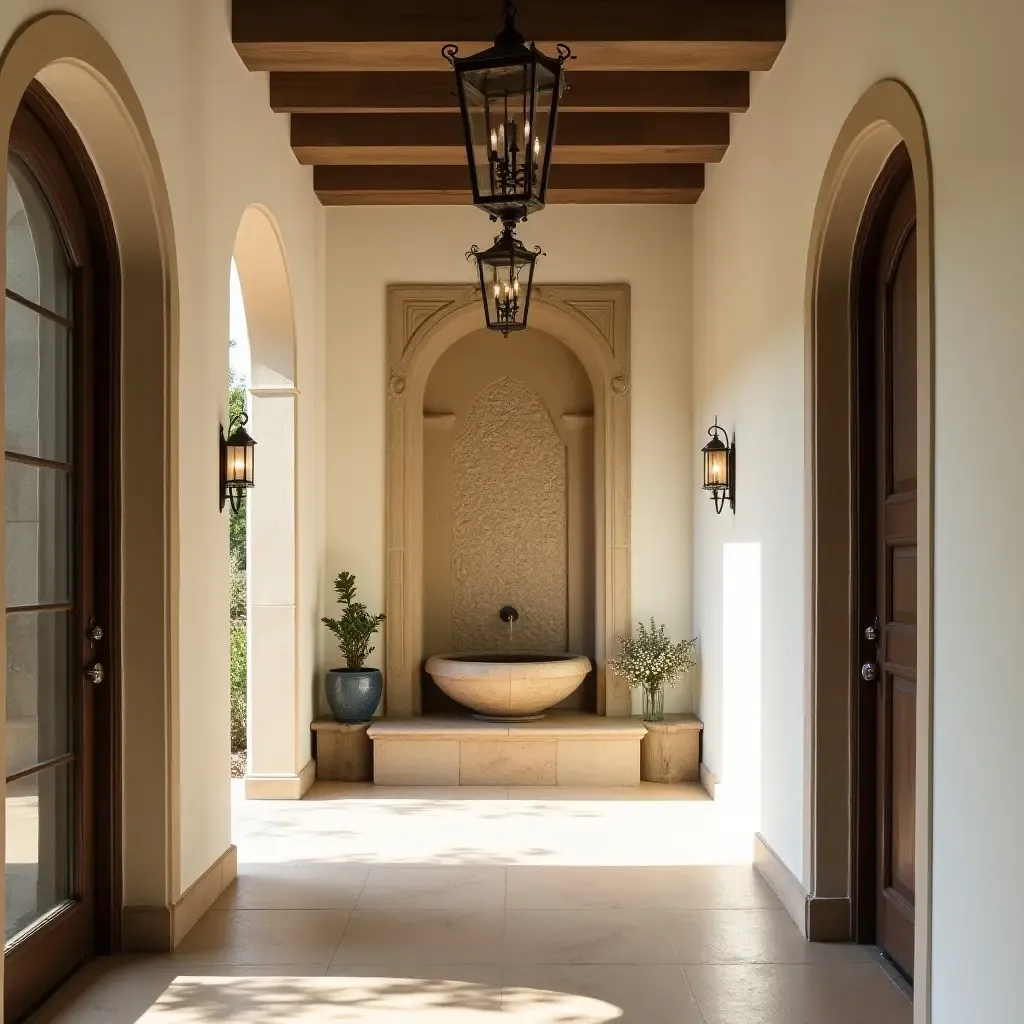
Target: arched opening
{"x":424,"y":322}
{"x":141,"y":866}
{"x":273,"y":769}
{"x":508,"y":505}
{"x":886,"y":122}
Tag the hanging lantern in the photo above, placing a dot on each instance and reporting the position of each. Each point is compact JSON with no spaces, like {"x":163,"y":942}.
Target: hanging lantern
{"x":509,"y":96}
{"x":720,"y":468}
{"x":506,"y":280}
{"x":238,"y":463}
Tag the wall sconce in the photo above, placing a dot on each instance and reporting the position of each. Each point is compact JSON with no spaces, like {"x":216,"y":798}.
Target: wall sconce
{"x":720,"y":468}
{"x":237,"y":463}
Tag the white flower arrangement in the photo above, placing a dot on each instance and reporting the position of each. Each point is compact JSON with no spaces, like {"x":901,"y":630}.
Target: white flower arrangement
{"x":651,"y":660}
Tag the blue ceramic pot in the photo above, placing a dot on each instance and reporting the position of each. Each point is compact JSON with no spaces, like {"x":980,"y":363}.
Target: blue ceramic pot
{"x":353,"y":693}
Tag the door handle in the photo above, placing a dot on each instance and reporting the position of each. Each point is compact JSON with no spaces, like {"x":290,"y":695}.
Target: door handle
{"x":869,"y":672}
{"x":95,"y":675}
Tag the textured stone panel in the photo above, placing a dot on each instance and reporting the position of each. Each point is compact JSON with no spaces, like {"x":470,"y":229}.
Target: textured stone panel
{"x":509,"y":523}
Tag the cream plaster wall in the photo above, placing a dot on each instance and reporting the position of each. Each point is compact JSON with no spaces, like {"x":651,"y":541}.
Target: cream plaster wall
{"x":221,"y":149}
{"x":369,"y":248}
{"x":752,"y":233}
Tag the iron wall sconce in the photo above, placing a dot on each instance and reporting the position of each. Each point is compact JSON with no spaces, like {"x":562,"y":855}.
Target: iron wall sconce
{"x":720,"y":468}
{"x":237,"y":463}
{"x":508,"y":97}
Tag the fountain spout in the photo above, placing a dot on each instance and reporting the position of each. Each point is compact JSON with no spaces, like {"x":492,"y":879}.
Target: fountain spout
{"x":510,"y":615}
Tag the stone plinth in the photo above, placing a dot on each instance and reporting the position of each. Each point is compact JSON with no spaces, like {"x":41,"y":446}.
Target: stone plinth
{"x":670,"y":752}
{"x":560,"y":750}
{"x":344,"y":753}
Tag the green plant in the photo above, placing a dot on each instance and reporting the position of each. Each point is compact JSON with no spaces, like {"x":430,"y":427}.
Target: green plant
{"x":356,"y":625}
{"x":650,"y":659}
{"x":238,"y":686}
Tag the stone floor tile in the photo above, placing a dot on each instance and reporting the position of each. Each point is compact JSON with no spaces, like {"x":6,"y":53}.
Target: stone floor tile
{"x":586,"y":937}
{"x":835,"y":993}
{"x":750,"y":937}
{"x":625,"y":994}
{"x":421,"y":938}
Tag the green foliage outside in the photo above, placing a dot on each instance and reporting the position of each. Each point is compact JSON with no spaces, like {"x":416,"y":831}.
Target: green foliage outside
{"x":356,"y":625}
{"x":237,"y":601}
{"x":238,"y":686}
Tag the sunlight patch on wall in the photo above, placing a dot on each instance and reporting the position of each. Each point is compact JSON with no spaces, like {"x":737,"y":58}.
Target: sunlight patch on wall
{"x":741,"y":681}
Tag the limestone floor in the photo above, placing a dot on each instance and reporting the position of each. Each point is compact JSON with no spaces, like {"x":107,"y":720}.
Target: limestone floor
{"x":474,"y":906}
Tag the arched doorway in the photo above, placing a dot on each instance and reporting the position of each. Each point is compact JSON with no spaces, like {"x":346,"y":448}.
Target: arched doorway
{"x":273,"y":770}
{"x":135,"y":840}
{"x":876,"y":193}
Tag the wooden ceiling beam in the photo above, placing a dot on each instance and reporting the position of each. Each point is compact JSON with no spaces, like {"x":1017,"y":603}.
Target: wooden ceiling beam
{"x":406,"y":35}
{"x":583,"y":138}
{"x":439,"y":185}
{"x":372,"y":92}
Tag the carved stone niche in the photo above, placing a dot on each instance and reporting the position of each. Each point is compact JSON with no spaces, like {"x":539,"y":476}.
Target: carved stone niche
{"x":423,"y":322}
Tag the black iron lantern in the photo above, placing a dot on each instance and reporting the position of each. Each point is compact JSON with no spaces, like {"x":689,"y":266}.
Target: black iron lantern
{"x":720,"y":468}
{"x":506,"y":280}
{"x":237,"y":463}
{"x":509,"y":96}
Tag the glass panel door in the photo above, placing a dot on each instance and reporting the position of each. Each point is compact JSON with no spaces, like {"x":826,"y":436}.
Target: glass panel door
{"x":48,"y":860}
{"x":39,"y":560}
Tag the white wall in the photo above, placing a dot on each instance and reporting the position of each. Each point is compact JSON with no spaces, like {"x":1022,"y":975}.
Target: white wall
{"x":221,"y":149}
{"x":961,"y":59}
{"x":648,"y":247}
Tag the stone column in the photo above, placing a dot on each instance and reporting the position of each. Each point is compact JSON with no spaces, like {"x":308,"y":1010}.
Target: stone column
{"x":273,"y":771}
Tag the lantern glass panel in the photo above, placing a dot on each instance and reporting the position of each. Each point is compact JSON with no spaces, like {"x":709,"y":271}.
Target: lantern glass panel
{"x":508,"y":113}
{"x":505,"y":280}
{"x":716,"y":467}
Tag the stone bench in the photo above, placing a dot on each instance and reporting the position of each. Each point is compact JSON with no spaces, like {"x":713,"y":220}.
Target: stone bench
{"x":559,"y":750}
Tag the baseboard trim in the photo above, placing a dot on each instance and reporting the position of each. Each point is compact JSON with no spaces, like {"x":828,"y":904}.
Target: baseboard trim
{"x":147,"y":929}
{"x":828,"y":918}
{"x":707,"y":780}
{"x":782,"y":881}
{"x":281,"y":787}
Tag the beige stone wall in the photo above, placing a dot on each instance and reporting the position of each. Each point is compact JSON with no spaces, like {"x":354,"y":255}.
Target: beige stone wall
{"x":220,"y":149}
{"x":752,"y":248}
{"x":647,"y":248}
{"x":508,"y":523}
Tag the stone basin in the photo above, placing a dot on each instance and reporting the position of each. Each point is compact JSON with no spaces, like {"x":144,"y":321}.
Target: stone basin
{"x":508,"y":687}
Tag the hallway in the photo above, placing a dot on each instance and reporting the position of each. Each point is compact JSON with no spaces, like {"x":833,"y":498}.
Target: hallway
{"x":471,"y":905}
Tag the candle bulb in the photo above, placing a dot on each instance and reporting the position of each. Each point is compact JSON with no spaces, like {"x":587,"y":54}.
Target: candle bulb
{"x":494,"y":141}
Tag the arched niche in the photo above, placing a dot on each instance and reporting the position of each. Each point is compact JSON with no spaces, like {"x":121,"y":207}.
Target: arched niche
{"x":885,"y":117}
{"x":82,"y":73}
{"x":423,"y":322}
{"x":274,"y":748}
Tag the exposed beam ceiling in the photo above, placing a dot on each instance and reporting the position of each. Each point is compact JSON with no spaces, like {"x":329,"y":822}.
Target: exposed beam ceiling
{"x":376,"y":92}
{"x":443,"y":185}
{"x":583,"y":138}
{"x":374,"y":110}
{"x":606,"y":35}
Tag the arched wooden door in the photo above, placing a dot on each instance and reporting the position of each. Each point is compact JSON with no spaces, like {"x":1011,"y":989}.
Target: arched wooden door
{"x":61,"y":863}
{"x":886,"y":441}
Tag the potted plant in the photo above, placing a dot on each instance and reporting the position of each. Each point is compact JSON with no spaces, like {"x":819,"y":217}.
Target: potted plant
{"x":652,"y":661}
{"x":353,"y":692}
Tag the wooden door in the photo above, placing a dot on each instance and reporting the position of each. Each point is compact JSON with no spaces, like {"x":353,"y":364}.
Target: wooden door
{"x":58,"y":588}
{"x":888,"y":516}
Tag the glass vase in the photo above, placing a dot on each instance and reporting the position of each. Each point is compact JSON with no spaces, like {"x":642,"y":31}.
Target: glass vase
{"x":654,"y":704}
